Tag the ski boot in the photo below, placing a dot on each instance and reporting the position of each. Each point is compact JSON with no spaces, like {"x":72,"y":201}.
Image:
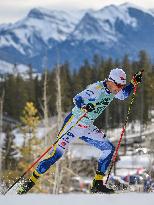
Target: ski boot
{"x":98,"y":186}
{"x":27,"y":185}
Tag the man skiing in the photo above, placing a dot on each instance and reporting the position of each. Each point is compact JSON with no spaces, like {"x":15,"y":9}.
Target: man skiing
{"x":92,"y":101}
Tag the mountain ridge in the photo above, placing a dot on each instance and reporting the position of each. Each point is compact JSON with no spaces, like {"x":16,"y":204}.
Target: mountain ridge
{"x":109,"y":32}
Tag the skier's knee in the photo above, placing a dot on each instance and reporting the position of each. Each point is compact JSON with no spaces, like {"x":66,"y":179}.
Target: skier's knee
{"x":46,"y":163}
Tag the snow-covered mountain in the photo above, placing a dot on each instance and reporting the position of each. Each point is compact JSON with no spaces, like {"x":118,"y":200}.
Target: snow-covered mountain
{"x":40,"y":28}
{"x":76,"y":35}
{"x":102,"y":22}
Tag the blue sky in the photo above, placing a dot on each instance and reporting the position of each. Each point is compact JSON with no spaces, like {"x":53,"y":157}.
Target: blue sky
{"x":13,"y":10}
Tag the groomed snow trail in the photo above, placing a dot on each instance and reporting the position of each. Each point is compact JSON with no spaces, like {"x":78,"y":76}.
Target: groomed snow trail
{"x":79,"y":199}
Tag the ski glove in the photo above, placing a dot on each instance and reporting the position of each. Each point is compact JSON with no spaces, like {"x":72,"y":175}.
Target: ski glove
{"x":89,"y":107}
{"x":137,"y":78}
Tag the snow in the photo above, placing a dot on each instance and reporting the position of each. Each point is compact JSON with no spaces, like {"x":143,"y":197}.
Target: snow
{"x":39,"y":24}
{"x":23,"y":34}
{"x":8,"y":68}
{"x":83,"y":151}
{"x":5,"y":26}
{"x":79,"y":199}
{"x":151,"y":11}
{"x":7,"y":41}
{"x":134,"y":162}
{"x":104,"y":21}
{"x":131,"y":5}
{"x":40,"y":133}
{"x":113,"y":13}
{"x":54,"y":24}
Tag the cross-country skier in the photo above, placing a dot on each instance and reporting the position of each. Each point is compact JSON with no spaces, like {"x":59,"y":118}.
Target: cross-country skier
{"x":93,"y":100}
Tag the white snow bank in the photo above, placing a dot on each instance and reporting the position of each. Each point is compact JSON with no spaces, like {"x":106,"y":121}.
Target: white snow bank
{"x":79,"y":199}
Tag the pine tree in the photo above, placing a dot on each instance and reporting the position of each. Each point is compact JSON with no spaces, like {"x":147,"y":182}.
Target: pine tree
{"x":66,"y":87}
{"x":52,"y":92}
{"x":126,"y":65}
{"x":9,"y":151}
{"x":10,"y":154}
{"x":16,"y":95}
{"x":30,"y":121}
{"x":145,"y":97}
{"x":38,"y":91}
{"x":32,"y":146}
{"x":30,"y":85}
{"x":97,"y":64}
{"x":10,"y":103}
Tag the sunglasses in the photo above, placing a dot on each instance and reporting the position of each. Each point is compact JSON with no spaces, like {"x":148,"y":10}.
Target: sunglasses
{"x":118,"y":85}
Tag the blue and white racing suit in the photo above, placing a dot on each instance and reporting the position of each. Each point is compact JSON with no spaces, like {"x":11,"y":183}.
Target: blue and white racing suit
{"x":100,"y":96}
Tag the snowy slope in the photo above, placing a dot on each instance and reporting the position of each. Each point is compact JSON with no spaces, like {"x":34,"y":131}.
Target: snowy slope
{"x":79,"y":199}
{"x":152,"y":11}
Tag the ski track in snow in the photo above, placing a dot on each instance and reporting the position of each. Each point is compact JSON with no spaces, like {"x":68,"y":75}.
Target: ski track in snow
{"x":79,"y":199}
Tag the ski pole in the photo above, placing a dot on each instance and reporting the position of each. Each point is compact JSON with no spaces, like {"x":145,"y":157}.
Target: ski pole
{"x":121,"y":136}
{"x":37,"y":160}
{"x":122,"y":133}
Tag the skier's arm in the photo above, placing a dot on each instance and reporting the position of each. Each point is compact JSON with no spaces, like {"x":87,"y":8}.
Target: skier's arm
{"x":86,"y":96}
{"x":125,"y":92}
